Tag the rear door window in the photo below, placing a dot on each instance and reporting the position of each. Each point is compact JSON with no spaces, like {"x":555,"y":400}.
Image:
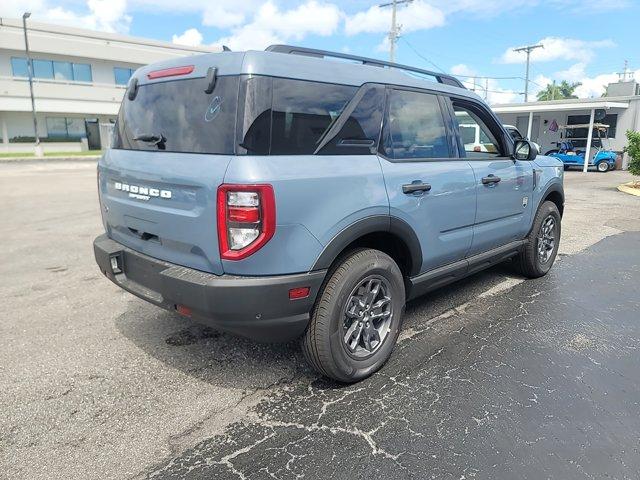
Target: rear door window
{"x":302,"y":112}
{"x":415,"y":127}
{"x":359,"y":131}
{"x":178,"y":116}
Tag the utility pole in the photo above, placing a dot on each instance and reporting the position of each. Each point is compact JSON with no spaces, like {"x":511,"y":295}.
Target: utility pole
{"x":622,"y":76}
{"x":38,"y":148}
{"x":528,"y":49}
{"x":394,"y":33}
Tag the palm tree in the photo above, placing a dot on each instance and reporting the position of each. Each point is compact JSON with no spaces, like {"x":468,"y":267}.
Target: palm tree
{"x":554,"y":91}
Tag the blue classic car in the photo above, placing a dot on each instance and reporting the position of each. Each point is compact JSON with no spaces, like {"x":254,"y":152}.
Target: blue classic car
{"x":604,"y":159}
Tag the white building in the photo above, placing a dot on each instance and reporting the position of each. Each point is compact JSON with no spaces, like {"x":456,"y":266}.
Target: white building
{"x":80,"y":78}
{"x":620,"y":109}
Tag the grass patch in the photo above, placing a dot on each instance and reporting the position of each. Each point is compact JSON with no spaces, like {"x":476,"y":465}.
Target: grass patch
{"x":51,"y":154}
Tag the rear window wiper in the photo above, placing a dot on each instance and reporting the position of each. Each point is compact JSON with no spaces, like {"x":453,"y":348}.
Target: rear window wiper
{"x":153,"y":139}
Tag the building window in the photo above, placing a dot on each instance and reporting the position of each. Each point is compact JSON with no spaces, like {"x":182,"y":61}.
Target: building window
{"x":62,"y":71}
{"x":62,"y":128}
{"x":122,"y":75}
{"x":82,"y":72}
{"x":42,"y":68}
{"x":48,"y":69}
{"x":20,"y":67}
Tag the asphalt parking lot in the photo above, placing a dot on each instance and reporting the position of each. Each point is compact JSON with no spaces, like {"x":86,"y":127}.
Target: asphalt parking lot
{"x":493,"y":377}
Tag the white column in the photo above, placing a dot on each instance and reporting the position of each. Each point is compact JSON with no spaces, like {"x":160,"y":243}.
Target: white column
{"x":587,"y":153}
{"x":5,"y":135}
{"x":5,"y":132}
{"x":530,"y":126}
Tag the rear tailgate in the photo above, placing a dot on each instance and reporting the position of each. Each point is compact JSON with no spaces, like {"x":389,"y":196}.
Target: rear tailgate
{"x":171,"y":212}
{"x":173,"y":140}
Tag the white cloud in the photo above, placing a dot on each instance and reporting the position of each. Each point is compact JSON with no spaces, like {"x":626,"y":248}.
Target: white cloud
{"x":462,"y":69}
{"x":590,"y":86}
{"x":271,"y":25}
{"x":418,"y":15}
{"x":595,"y":86}
{"x":103,"y":15}
{"x":191,"y":37}
{"x":216,"y":15}
{"x":557,"y":48}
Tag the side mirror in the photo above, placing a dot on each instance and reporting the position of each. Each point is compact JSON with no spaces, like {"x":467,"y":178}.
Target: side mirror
{"x":524,"y":150}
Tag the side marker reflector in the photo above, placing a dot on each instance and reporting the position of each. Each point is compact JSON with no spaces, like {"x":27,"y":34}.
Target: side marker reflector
{"x":182,"y":310}
{"x":299,"y":292}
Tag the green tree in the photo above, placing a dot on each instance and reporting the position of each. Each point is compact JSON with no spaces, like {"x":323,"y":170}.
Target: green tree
{"x":633,"y":149}
{"x":554,"y":91}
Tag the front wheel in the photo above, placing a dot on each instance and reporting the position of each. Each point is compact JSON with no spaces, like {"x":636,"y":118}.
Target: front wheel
{"x":356,"y":321}
{"x":603,"y":167}
{"x":543,"y":241}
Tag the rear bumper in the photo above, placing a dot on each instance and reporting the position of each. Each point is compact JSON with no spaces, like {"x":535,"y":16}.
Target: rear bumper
{"x":254,"y":307}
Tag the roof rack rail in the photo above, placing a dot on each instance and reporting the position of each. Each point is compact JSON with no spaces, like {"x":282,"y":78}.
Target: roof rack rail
{"x":312,"y":52}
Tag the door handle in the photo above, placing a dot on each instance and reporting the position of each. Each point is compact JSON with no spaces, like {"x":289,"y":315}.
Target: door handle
{"x":490,"y":179}
{"x":416,"y":186}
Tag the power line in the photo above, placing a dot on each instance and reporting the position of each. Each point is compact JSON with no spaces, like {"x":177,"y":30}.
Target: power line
{"x":474,"y":78}
{"x":420,"y":55}
{"x":455,"y":74}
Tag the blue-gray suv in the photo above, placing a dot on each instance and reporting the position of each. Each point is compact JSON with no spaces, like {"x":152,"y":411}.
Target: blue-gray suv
{"x":302,"y":193}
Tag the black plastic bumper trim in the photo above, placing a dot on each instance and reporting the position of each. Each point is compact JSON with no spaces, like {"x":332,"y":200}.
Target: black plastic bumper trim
{"x":254,"y":307}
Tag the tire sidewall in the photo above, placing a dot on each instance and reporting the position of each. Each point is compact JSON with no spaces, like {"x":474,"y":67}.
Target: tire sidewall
{"x":546,"y":209}
{"x":350,"y":368}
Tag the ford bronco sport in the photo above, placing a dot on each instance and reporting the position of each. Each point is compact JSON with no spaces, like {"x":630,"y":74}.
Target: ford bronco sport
{"x":282,"y":194}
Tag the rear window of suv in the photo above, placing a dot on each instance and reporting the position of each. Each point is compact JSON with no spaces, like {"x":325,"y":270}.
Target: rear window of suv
{"x":178,"y":116}
{"x":246,"y":115}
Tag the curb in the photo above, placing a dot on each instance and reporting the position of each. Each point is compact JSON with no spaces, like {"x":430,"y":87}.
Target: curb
{"x":626,"y":188}
{"x":49,"y":159}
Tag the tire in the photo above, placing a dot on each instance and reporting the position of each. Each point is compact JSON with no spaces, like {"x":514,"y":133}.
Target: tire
{"x":566,"y":167}
{"x":332,"y":321}
{"x":551,"y":152}
{"x":530,"y":261}
{"x":603,"y":167}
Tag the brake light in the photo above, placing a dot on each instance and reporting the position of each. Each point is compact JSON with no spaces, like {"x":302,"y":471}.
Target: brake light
{"x":246,"y":219}
{"x":170,"y":72}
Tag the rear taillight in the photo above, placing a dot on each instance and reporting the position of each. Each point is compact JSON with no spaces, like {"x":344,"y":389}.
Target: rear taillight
{"x":246,"y":219}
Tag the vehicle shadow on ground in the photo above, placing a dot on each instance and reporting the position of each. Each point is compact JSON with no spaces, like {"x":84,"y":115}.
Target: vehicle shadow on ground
{"x":229,"y":361}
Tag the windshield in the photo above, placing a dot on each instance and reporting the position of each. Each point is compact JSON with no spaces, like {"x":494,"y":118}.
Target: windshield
{"x":178,"y":116}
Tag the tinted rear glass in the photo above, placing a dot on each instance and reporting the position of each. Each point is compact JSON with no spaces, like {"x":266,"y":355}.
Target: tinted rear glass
{"x":181,"y":115}
{"x":288,"y":117}
{"x":416,"y":126}
{"x":302,"y":112}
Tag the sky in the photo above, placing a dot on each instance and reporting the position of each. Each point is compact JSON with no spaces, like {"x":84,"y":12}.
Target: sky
{"x":584,"y":41}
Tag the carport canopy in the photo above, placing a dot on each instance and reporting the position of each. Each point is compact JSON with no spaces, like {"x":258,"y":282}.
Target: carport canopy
{"x":558,"y":106}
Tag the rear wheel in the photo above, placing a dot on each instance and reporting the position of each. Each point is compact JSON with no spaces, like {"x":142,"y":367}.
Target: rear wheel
{"x":542,"y":242}
{"x":355,"y":323}
{"x":603,"y":167}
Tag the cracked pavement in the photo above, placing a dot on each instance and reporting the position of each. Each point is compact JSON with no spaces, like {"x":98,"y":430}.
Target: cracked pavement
{"x":541,"y":381}
{"x":493,"y":377}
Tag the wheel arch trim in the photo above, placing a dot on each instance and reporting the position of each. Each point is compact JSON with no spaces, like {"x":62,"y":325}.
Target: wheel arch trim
{"x":553,"y":188}
{"x":368,"y":225}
